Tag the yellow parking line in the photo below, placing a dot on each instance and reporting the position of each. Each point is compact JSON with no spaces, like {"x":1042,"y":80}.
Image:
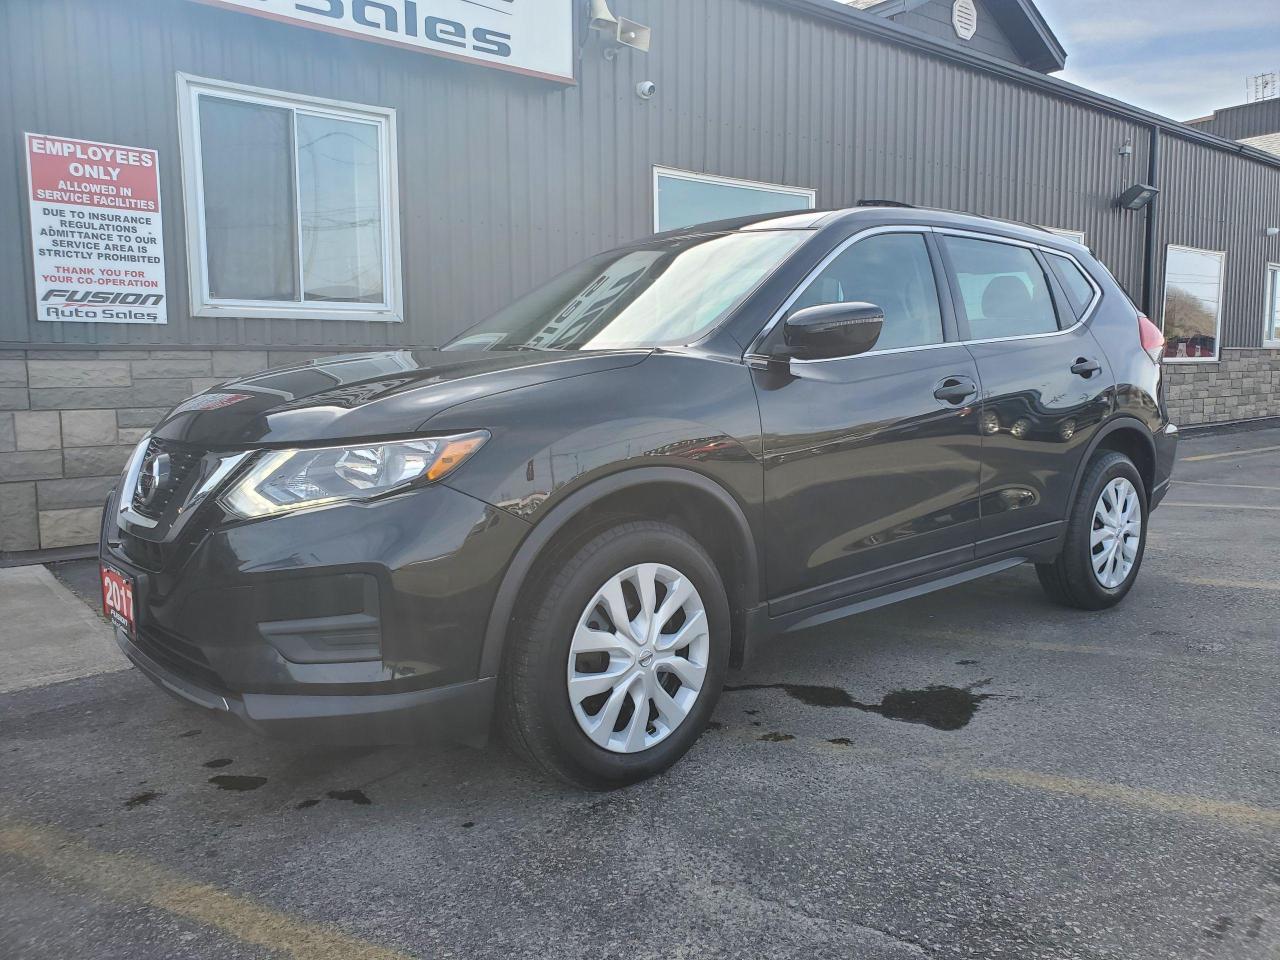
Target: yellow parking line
{"x":1232,"y":486}
{"x":1238,"y":813}
{"x":1226,"y":811}
{"x":1226,"y":583}
{"x":1229,"y":453}
{"x":1220,"y":506}
{"x":132,"y":880}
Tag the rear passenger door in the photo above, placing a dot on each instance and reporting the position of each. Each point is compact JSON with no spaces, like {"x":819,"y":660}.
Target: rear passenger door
{"x":1045,"y":381}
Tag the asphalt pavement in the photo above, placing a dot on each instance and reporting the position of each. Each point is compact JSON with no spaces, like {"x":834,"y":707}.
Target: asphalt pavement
{"x":977,"y":773}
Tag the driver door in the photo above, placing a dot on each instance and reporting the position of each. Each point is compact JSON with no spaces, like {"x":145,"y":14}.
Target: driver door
{"x":872,"y":462}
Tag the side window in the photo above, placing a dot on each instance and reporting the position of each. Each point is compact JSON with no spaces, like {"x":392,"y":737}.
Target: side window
{"x":893,"y":271}
{"x":1005,"y":291}
{"x":1079,"y":290}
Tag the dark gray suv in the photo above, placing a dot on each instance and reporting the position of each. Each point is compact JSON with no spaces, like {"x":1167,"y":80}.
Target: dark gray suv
{"x":578,"y":515}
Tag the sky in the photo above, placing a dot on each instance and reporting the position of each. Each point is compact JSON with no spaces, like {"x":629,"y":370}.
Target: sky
{"x":1179,"y":58}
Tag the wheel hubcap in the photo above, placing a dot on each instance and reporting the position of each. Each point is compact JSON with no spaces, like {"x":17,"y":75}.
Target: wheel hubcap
{"x":1117,"y":533}
{"x":638,"y":658}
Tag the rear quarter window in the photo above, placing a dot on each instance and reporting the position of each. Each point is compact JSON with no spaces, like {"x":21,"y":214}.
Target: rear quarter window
{"x":1080,"y":292}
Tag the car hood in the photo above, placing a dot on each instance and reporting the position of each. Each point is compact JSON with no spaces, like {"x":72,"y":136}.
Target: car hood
{"x":385,"y":394}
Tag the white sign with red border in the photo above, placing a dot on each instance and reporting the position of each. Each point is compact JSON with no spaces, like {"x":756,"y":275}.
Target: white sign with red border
{"x":528,"y":36}
{"x":97,"y":238}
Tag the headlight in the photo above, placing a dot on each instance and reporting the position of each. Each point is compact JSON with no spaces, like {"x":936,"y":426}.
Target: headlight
{"x":284,"y":480}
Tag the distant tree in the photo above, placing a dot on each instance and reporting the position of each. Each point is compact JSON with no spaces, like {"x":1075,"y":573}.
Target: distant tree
{"x":1186,"y":316}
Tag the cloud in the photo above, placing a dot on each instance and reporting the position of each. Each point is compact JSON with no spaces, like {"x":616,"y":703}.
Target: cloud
{"x":1180,"y":58}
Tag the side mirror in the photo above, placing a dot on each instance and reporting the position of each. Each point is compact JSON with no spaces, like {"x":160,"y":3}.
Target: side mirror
{"x":833,"y":330}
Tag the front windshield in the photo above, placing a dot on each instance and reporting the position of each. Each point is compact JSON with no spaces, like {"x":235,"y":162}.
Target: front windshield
{"x":662,"y":293}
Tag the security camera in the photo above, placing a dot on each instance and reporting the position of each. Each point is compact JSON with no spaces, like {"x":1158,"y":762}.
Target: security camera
{"x":646,"y":89}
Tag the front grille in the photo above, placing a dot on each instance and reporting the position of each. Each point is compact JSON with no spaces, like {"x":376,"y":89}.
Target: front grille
{"x":179,"y":656}
{"x":159,"y":482}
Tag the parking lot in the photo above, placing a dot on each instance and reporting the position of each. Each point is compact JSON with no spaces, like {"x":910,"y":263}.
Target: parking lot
{"x":976,"y":773}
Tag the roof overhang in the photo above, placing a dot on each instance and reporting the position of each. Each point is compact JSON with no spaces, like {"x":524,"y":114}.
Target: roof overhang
{"x":1020,"y":20}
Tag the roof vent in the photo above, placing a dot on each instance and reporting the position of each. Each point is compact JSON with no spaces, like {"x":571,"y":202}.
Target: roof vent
{"x":964,"y":17}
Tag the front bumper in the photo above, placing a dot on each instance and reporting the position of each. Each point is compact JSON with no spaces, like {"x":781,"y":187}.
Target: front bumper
{"x":459,"y":712}
{"x":354,"y":623}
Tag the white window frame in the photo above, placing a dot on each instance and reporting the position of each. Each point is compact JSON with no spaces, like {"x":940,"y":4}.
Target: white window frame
{"x":202,"y":303}
{"x":1077,"y":235}
{"x":1222,"y":293}
{"x":810,"y":194}
{"x":1270,"y":337}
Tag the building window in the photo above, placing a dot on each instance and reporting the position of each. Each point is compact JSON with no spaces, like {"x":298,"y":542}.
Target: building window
{"x":1271,"y":334}
{"x":682,"y":199}
{"x":292,"y":207}
{"x":1077,"y":235}
{"x":1192,"y":303}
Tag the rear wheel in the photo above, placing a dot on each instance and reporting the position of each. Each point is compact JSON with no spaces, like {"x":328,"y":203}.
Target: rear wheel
{"x":1105,"y":539}
{"x":619,"y":657}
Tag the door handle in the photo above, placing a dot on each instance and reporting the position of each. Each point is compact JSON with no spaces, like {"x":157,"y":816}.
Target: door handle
{"x":955,"y":390}
{"x":1085,"y":368}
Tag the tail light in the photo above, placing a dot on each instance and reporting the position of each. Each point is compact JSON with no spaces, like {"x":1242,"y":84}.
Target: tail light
{"x":1152,"y":338}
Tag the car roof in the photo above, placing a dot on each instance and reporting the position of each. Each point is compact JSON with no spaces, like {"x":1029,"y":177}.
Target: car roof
{"x":879,"y":214}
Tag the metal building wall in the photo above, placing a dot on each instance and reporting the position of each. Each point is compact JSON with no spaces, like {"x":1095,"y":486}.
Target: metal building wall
{"x":1217,"y":201}
{"x":505,"y":180}
{"x":1243,"y":121}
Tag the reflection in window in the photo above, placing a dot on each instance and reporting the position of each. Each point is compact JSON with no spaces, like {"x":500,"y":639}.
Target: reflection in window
{"x":1005,"y":290}
{"x":1079,"y":290}
{"x":670,"y":291}
{"x":1192,"y":303}
{"x":340,"y":209}
{"x":295,"y":203}
{"x":892,"y":271}
{"x":684,"y":199}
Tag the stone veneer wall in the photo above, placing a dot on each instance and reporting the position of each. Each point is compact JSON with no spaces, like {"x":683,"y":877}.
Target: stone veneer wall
{"x":1243,"y":385}
{"x":69,"y":418}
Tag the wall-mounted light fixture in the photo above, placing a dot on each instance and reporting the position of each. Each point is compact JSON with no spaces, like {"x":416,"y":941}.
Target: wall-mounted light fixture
{"x":1273,"y":231}
{"x":1137,"y":196}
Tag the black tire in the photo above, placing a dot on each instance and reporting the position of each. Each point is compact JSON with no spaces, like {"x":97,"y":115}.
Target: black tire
{"x":1070,"y":580}
{"x":537,"y":716}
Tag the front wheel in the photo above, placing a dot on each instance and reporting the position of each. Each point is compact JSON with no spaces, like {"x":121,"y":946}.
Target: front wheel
{"x":1105,"y":540}
{"x":619,"y":657}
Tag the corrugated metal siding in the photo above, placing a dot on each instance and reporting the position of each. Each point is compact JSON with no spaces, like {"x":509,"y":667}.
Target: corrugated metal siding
{"x":505,"y":180}
{"x":1246,"y":120}
{"x":1216,"y":201}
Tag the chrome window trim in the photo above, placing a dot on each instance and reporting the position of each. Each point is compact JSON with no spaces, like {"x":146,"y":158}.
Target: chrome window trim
{"x":803,"y":285}
{"x":937,"y":231}
{"x":1043,"y":248}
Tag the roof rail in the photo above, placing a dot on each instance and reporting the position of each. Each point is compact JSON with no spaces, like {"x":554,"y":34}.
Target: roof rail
{"x":885,"y":203}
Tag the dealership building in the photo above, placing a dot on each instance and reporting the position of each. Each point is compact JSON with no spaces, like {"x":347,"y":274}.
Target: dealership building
{"x":197,"y":189}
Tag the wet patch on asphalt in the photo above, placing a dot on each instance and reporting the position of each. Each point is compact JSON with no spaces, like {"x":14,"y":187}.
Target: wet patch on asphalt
{"x":841,"y":741}
{"x":190,"y":733}
{"x":239,"y":784}
{"x":940,"y":707}
{"x":776,"y":737}
{"x":306,"y":804}
{"x":943,"y":708}
{"x":355,"y":796}
{"x":808,"y":695}
{"x":142,"y":799}
{"x":219,"y":763}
